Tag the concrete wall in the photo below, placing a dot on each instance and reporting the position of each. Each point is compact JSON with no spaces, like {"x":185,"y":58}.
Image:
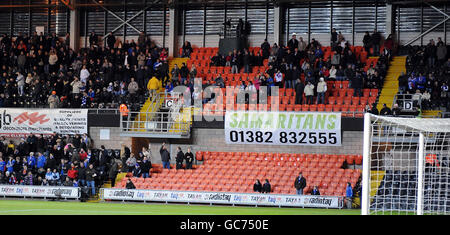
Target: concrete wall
{"x":115,"y":141}
{"x":214,"y":140}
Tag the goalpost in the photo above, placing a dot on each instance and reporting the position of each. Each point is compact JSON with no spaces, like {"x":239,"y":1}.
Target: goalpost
{"x":405,"y":166}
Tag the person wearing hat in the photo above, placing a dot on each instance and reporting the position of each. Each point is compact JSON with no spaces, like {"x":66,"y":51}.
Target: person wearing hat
{"x":53,"y":100}
{"x":293,"y":42}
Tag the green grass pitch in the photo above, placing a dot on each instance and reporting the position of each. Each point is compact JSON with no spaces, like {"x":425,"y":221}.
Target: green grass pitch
{"x":40,"y":207}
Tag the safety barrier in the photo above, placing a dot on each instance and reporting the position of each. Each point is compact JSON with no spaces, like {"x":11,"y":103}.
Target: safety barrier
{"x":252,"y":199}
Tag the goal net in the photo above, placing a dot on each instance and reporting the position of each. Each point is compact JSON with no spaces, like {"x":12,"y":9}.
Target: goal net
{"x":405,"y":166}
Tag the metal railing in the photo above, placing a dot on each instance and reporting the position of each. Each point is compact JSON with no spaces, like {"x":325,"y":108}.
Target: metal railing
{"x":161,"y":123}
{"x":407,"y":102}
{"x":104,"y":111}
{"x":444,"y":115}
{"x":221,"y":112}
{"x":154,"y":122}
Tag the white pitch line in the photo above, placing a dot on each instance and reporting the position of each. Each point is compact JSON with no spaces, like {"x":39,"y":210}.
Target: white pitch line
{"x":80,"y":211}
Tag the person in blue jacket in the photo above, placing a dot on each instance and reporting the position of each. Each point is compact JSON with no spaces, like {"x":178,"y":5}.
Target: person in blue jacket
{"x":2,"y":166}
{"x":41,"y":160}
{"x":349,"y":195}
{"x":31,"y":161}
{"x":10,"y":164}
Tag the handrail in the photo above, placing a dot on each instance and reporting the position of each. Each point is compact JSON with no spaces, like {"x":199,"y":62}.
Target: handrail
{"x":444,"y":115}
{"x":403,"y":98}
{"x":152,"y":120}
{"x":153,"y":126}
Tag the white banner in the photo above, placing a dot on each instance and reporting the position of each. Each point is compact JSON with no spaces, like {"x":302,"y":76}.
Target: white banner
{"x":21,"y":122}
{"x":223,"y":198}
{"x":38,"y":191}
{"x":283,"y":128}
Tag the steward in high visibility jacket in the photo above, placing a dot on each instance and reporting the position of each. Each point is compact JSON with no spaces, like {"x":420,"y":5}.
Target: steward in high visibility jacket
{"x":124,"y":110}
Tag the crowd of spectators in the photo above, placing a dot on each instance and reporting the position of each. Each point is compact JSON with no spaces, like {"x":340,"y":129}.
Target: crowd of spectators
{"x":286,"y":65}
{"x":59,"y":160}
{"x":427,"y":75}
{"x":41,"y":70}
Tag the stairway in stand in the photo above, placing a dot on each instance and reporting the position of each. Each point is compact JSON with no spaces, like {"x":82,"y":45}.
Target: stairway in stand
{"x":146,"y":107}
{"x":96,"y":197}
{"x":390,"y":86}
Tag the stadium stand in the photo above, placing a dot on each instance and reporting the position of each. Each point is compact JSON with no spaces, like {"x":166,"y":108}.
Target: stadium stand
{"x":33,"y":66}
{"x":41,"y":70}
{"x":237,"y":172}
{"x":28,"y":162}
{"x":426,"y":77}
{"x":340,"y":95}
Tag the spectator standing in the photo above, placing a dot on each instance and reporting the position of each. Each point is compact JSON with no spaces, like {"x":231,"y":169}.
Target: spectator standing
{"x":189,"y":157}
{"x":153,"y":86}
{"x":146,"y":165}
{"x":49,"y":176}
{"x":41,"y":161}
{"x":28,"y":180}
{"x":84,"y":74}
{"x":55,"y":178}
{"x":299,"y":89}
{"x":279,"y":79}
{"x":53,"y":100}
{"x":431,"y":53}
{"x":133,"y":87}
{"x":349,"y":196}
{"x":2,"y":166}
{"x":367,"y":41}
{"x":265,"y":47}
{"x":321,"y":90}
{"x":137,"y":172}
{"x":184,"y":72}
{"x":91,"y":173}
{"x":293,"y":42}
{"x":309,"y":93}
{"x":110,"y":40}
{"x":179,"y":159}
{"x":131,"y":163}
{"x":165,"y":156}
{"x":20,"y":84}
{"x":187,"y":49}
{"x":300,"y":184}
{"x":334,"y":38}
{"x":402,"y":82}
{"x":376,"y":40}
{"x":441,"y":53}
{"x":357,"y":84}
{"x":193,"y":72}
{"x":93,"y":39}
{"x":81,"y":174}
